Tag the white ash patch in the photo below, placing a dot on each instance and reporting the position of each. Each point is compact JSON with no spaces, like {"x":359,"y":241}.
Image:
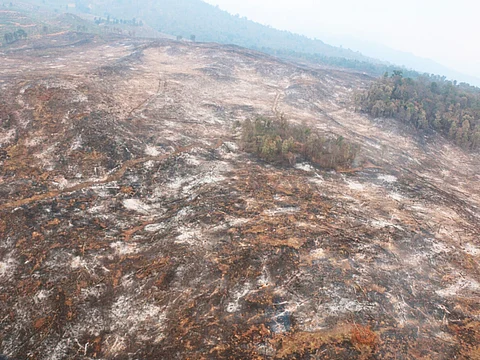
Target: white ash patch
{"x":47,"y":157}
{"x":282,"y":210}
{"x":191,"y":160}
{"x":353,"y":185}
{"x":24,"y":122}
{"x":396,"y":196}
{"x":387,"y":178}
{"x":317,"y":180}
{"x":189,"y":236}
{"x":234,"y":305}
{"x":438,"y":247}
{"x":103,"y":191}
{"x":374,"y":145}
{"x":401,"y":309}
{"x":310,"y":320}
{"x":138,"y":206}
{"x":135,"y":317}
{"x":419,"y":208}
{"x":305,"y":167}
{"x":318,"y":254}
{"x":174,"y":185}
{"x":92,"y":322}
{"x":41,"y":296}
{"x":445,"y":173}
{"x":78,"y":262}
{"x":182,"y":213}
{"x":93,"y":291}
{"x":151,"y":151}
{"x":471,"y":249}
{"x":60,"y":350}
{"x":155,"y":227}
{"x":129,"y":281}
{"x":208,"y":175}
{"x":7,"y":137}
{"x":344,"y":305}
{"x":76,"y":143}
{"x":233,"y":222}
{"x":149,"y":165}
{"x":445,"y":337}
{"x":416,"y":259}
{"x":58,"y":83}
{"x":97,"y":209}
{"x":461,"y":286}
{"x":7,"y":267}
{"x":79,"y":98}
{"x":380,"y":224}
{"x":122,"y":248}
{"x":61,"y":183}
{"x":264,"y":279}
{"x":35,"y":141}
{"x":420,"y":258}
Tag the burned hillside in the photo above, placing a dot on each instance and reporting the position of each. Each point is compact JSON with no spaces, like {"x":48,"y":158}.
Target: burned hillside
{"x":134,"y":225}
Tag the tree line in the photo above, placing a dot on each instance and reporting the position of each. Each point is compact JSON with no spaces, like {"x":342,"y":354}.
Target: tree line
{"x":427,"y":103}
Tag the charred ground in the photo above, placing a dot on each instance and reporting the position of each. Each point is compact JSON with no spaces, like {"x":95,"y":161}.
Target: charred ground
{"x":133,"y":226}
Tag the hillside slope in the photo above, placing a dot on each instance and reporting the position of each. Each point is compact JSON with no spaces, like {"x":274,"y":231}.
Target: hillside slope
{"x":46,"y":19}
{"x":133,"y":226}
{"x":208,"y":23}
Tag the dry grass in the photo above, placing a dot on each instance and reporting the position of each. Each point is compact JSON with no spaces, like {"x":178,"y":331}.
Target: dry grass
{"x":302,"y":342}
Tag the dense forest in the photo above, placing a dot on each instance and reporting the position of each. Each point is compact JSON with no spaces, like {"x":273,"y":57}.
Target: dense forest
{"x":432,"y":103}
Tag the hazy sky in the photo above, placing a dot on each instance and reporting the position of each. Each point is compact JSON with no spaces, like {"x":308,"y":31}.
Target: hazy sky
{"x":446,"y":31}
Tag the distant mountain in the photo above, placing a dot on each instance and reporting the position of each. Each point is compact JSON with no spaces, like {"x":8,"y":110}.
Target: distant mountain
{"x":397,"y":57}
{"x":206,"y":22}
{"x":210,"y":23}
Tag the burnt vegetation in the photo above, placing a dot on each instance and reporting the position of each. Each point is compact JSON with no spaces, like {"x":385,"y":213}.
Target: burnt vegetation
{"x":281,"y":142}
{"x":131,"y":225}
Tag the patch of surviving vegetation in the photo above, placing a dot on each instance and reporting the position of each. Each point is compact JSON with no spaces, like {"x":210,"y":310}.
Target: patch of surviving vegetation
{"x":281,"y":142}
{"x":452,"y":110}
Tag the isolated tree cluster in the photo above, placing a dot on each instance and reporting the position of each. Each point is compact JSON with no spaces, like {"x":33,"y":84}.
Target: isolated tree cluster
{"x":14,"y":36}
{"x":115,"y":21}
{"x":281,"y":142}
{"x":450,"y":109}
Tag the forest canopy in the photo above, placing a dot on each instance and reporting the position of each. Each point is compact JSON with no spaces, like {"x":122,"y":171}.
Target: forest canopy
{"x":427,"y":103}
